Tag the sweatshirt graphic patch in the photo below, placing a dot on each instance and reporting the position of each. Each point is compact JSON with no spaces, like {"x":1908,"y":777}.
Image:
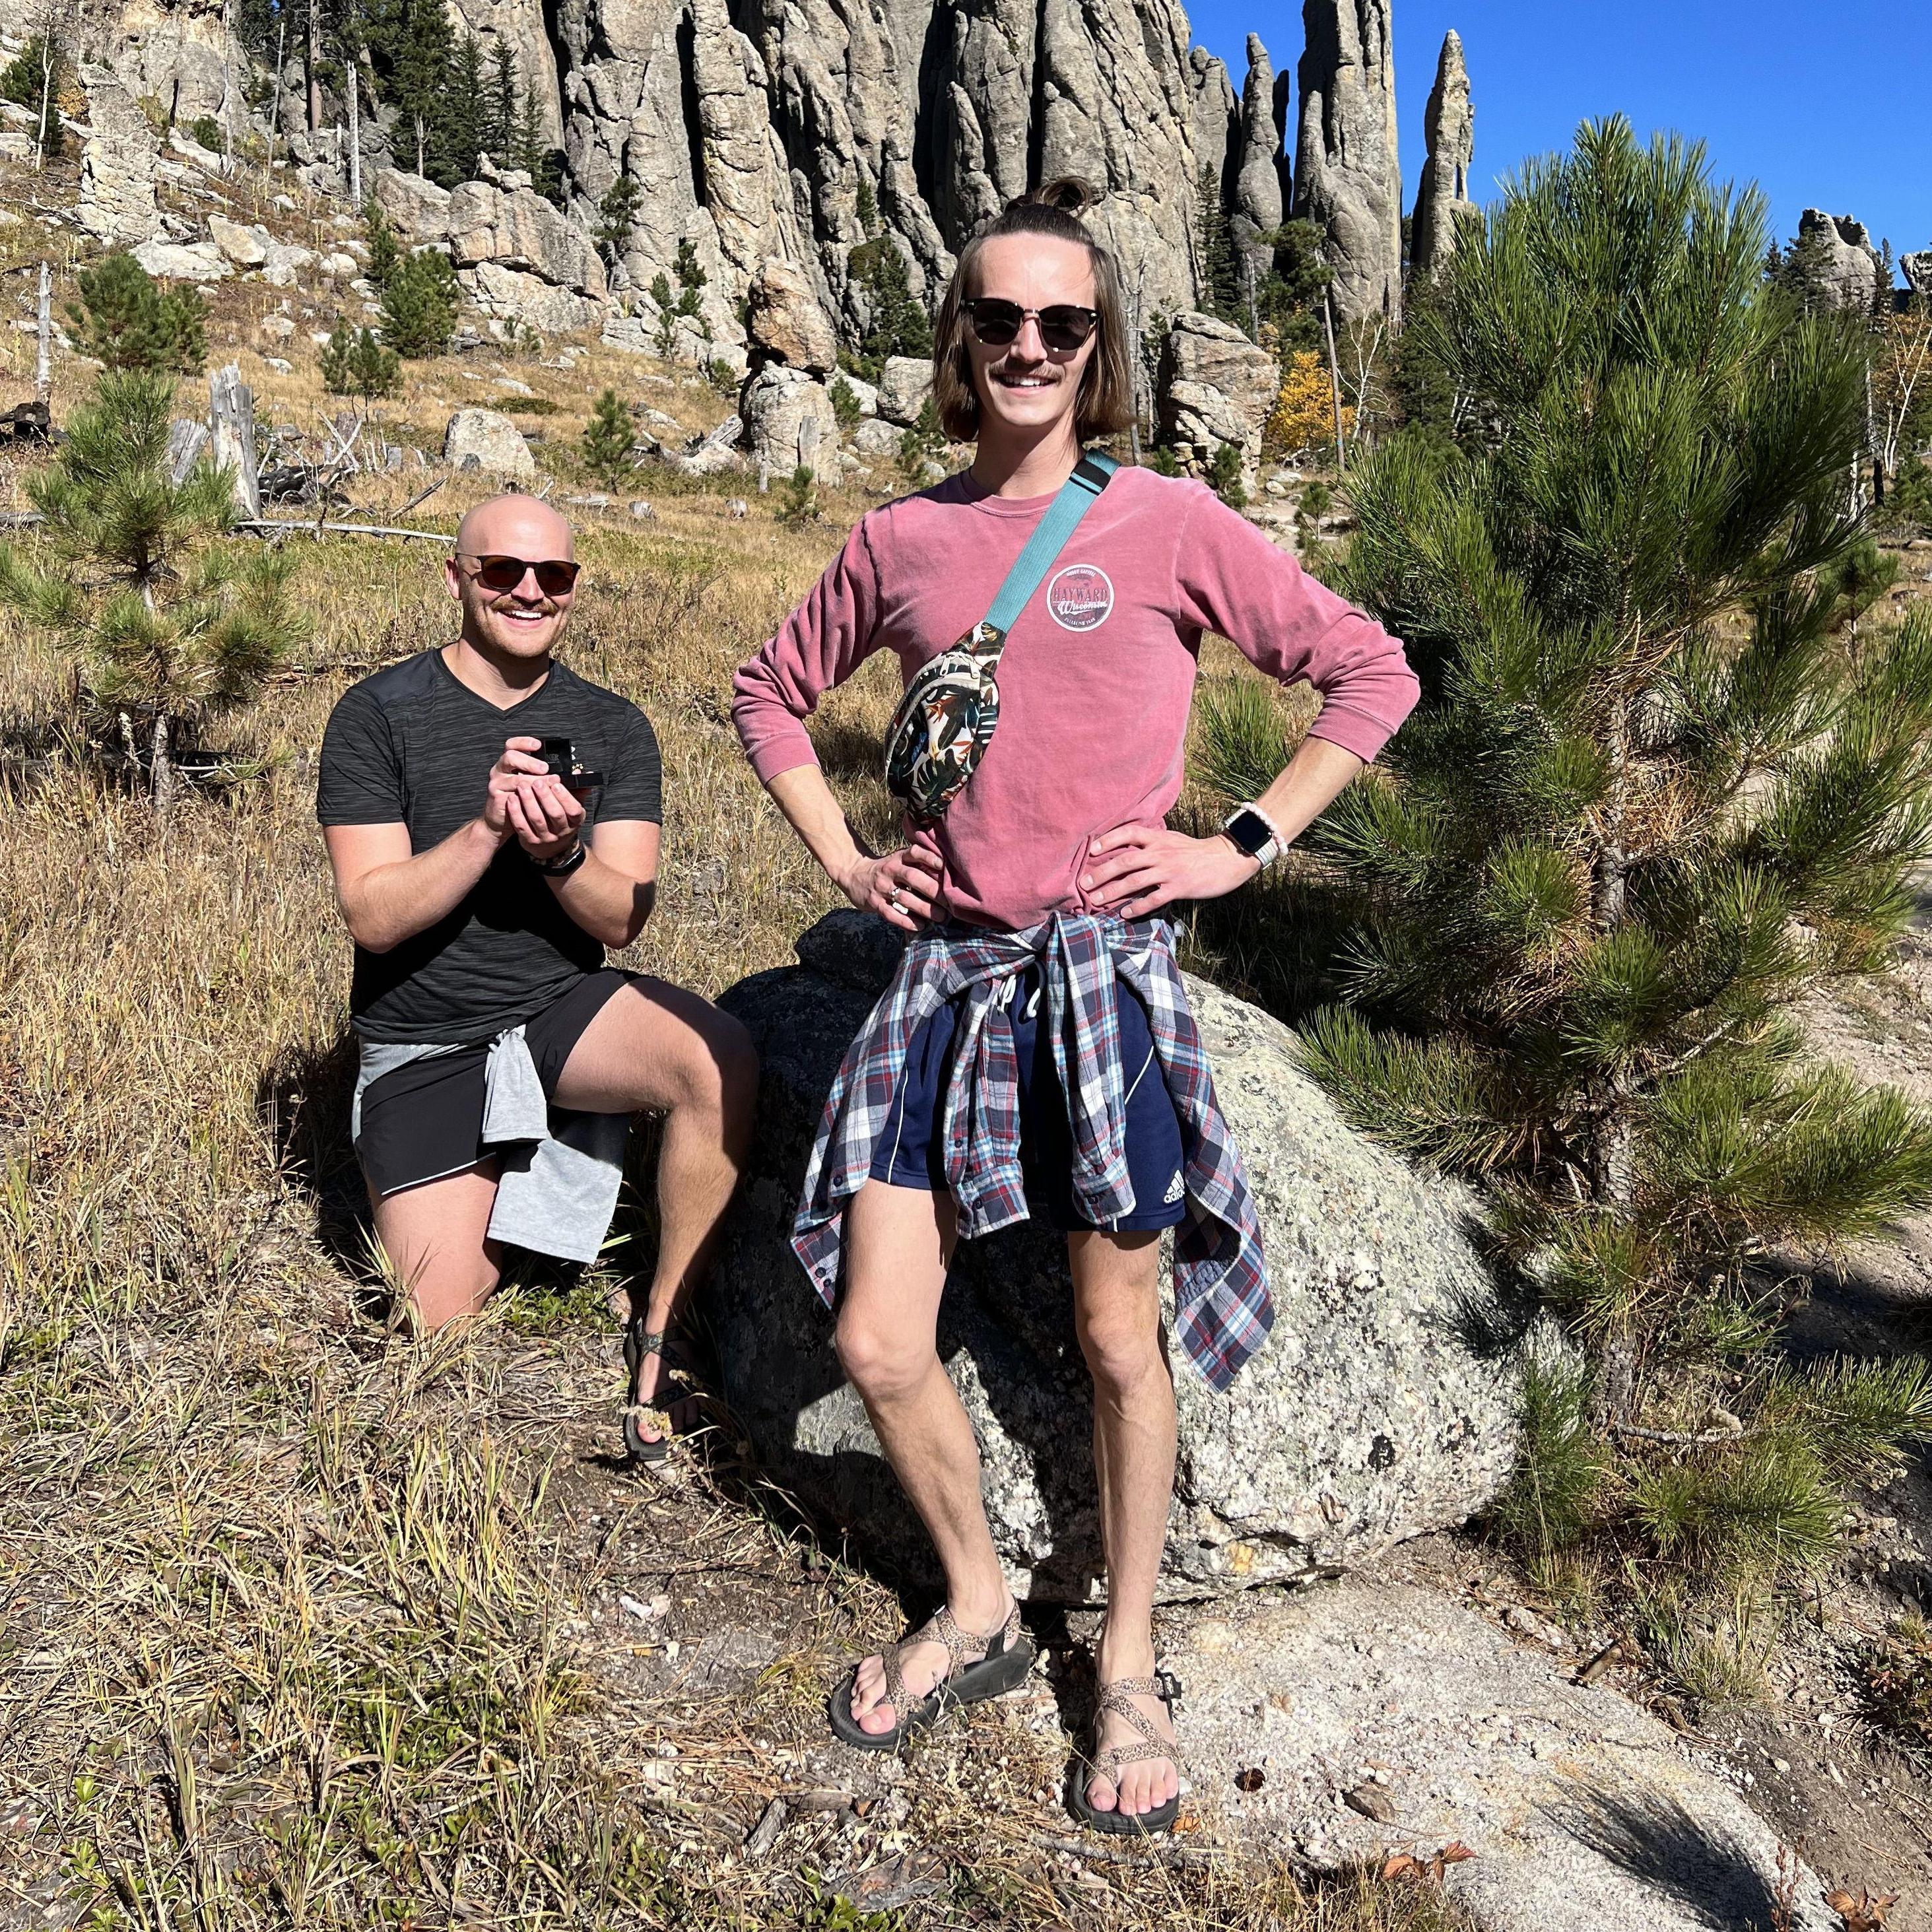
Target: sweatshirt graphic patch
{"x":1079,"y":596}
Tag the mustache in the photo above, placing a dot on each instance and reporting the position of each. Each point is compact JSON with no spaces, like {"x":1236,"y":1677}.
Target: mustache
{"x":547,"y":606}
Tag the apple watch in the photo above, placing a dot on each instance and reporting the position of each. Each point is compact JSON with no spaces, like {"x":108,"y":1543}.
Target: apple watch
{"x":561,"y":867}
{"x":1250,"y":830}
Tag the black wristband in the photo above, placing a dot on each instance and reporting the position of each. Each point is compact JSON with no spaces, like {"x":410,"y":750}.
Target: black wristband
{"x":562,"y":868}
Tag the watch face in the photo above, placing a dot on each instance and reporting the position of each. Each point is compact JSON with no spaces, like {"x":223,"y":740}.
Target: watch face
{"x":1248,"y":831}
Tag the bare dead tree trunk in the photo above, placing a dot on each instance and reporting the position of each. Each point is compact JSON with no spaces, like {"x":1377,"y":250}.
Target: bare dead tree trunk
{"x":164,"y":783}
{"x":1334,"y":379}
{"x":314,"y":66}
{"x":275,"y":120}
{"x":352,"y":63}
{"x":47,"y":45}
{"x":44,"y":367}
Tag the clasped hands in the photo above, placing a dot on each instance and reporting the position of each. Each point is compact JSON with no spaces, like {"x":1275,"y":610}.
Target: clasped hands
{"x":1132,"y":871}
{"x":526,"y":801}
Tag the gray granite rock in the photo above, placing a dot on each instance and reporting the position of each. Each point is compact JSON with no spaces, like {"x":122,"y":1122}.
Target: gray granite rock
{"x":1846,"y":273}
{"x":1216,"y":386}
{"x":1442,"y":196}
{"x":117,"y":165}
{"x":1217,"y":115}
{"x":787,"y":324}
{"x":417,"y":209}
{"x":1917,"y":269}
{"x":904,"y":383}
{"x":246,"y":247}
{"x":179,"y":262}
{"x":1348,"y":179}
{"x":1382,"y":1405}
{"x":1585,"y":1813}
{"x":788,"y":420}
{"x":1257,"y":205}
{"x":482,"y":440}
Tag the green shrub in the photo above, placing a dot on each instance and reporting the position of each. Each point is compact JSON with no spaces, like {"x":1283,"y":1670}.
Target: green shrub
{"x":798,"y":502}
{"x":844,"y":404}
{"x":125,"y":319}
{"x":609,"y":439}
{"x":354,"y":363}
{"x":207,"y":132}
{"x":924,"y":442}
{"x":1224,"y":476}
{"x":419,"y":305}
{"x":1239,"y":746}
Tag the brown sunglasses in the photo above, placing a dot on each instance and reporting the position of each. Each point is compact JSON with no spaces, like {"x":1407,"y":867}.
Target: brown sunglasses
{"x":556,"y":576}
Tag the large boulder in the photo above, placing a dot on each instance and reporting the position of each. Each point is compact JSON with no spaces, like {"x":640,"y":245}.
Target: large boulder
{"x":516,"y":228}
{"x":417,"y":209}
{"x":117,"y":165}
{"x":246,"y":247}
{"x":788,"y":420}
{"x":482,"y":440}
{"x":788,"y":324}
{"x":182,"y":261}
{"x":511,"y":296}
{"x":904,"y":383}
{"x":1216,"y":387}
{"x":1383,"y":1405}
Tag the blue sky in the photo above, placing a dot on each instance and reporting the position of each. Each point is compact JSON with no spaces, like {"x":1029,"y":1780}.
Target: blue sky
{"x":1822,"y":107}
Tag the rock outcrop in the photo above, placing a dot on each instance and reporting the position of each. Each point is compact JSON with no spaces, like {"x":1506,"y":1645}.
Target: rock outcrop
{"x":522,"y":260}
{"x":1917,"y":269}
{"x":1382,"y":1405}
{"x":1585,"y":1813}
{"x":1348,"y":179}
{"x":787,"y":324}
{"x":178,"y":53}
{"x":904,"y":383}
{"x":1216,"y":386}
{"x":1257,"y":198}
{"x":482,"y":440}
{"x":417,"y":209}
{"x":1217,"y":117}
{"x":788,"y":420}
{"x":1442,"y":195}
{"x":117,"y":165}
{"x":1841,"y":263}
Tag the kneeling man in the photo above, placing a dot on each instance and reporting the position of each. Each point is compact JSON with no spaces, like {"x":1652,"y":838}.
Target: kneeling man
{"x":493,"y":821}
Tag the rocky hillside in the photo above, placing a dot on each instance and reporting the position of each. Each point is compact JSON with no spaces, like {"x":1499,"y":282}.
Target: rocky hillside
{"x":759,"y":131}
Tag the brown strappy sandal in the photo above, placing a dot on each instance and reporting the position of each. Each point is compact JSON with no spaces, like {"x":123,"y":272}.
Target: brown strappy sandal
{"x":977,"y":1667}
{"x":1109,"y":1763}
{"x":638,"y":1416}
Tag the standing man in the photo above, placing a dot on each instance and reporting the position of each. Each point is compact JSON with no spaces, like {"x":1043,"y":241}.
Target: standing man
{"x":493,"y":821}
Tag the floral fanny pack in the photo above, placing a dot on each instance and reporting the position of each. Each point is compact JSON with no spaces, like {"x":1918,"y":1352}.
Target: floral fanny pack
{"x":946,"y":718}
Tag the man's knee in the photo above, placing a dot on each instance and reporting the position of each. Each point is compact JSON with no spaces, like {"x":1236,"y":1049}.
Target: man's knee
{"x":1122,"y":1350}
{"x":881,"y":1365}
{"x":718,"y":1066}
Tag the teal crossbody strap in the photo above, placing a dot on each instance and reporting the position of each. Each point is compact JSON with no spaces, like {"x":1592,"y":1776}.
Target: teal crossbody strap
{"x":1076,"y":497}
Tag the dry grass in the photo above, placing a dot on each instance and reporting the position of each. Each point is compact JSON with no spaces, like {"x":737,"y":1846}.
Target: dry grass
{"x":300,"y":1624}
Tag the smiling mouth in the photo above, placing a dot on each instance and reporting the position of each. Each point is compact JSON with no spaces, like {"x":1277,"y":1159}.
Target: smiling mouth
{"x":1016,"y":381}
{"x":523,"y":613}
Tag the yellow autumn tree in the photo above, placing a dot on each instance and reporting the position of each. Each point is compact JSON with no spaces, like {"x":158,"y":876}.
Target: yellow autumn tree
{"x":1304,"y":416}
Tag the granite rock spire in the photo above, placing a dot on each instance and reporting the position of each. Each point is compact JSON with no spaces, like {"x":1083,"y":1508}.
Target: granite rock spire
{"x":1442,"y":195}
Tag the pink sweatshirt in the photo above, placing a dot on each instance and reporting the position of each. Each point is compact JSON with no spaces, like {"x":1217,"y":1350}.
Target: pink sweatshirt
{"x":1096,"y":678}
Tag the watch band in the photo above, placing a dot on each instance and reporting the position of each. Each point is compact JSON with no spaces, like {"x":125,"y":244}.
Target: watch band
{"x":1251,"y":830}
{"x":562,"y":868}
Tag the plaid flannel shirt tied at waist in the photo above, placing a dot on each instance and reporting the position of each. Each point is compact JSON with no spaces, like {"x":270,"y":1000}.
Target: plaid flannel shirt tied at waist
{"x":1222,"y":1311}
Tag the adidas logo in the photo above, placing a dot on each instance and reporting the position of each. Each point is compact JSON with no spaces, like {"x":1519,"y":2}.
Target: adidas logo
{"x":1175,"y":1189}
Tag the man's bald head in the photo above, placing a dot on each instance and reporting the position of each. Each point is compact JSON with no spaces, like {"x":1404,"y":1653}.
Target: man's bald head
{"x":513,"y":525}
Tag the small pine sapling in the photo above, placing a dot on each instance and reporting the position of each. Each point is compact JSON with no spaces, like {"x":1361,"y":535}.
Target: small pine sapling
{"x":667,"y":307}
{"x":617,"y":218}
{"x":126,"y":320}
{"x":354,"y":363}
{"x":798,"y":501}
{"x":845,"y":405}
{"x":1224,"y":476}
{"x":923,"y":443}
{"x":384,"y":251}
{"x":609,"y":439}
{"x":171,"y":625}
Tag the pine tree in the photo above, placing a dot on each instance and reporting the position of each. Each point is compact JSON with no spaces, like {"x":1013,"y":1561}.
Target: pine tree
{"x":609,"y":439}
{"x":534,"y":156}
{"x":900,"y":325}
{"x":667,"y":308}
{"x":1215,"y":269}
{"x":1646,"y":802}
{"x":419,"y":305}
{"x":617,"y":218}
{"x":354,"y":364}
{"x":421,"y":85}
{"x":170,"y":626}
{"x":465,"y":111}
{"x":33,"y":79}
{"x":127,"y":320}
{"x":1224,"y":476}
{"x":384,"y":251}
{"x":499,"y":126}
{"x":798,"y":498}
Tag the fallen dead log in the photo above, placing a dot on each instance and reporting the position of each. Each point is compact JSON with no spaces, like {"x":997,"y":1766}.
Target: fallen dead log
{"x":271,"y":523}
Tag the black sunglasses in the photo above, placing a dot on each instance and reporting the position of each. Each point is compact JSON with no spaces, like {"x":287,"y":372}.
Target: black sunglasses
{"x":556,"y":576}
{"x":996,"y":322}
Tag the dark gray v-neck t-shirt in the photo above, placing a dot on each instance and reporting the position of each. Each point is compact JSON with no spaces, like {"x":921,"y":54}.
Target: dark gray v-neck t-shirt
{"x":413,"y":744}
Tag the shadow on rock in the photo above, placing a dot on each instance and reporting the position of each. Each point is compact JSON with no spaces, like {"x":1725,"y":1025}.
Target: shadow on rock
{"x":1649,"y":1835}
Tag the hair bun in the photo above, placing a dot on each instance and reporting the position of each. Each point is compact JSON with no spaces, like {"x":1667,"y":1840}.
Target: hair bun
{"x":1068,"y":193}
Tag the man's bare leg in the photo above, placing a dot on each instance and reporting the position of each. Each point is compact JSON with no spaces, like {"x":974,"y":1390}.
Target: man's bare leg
{"x":899,"y":1241}
{"x":435,"y":1240}
{"x":1117,"y":1311}
{"x":656,"y":1046}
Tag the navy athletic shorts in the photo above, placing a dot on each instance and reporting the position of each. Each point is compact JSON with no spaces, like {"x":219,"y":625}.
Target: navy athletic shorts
{"x":911,"y":1150}
{"x":424,"y":1122}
